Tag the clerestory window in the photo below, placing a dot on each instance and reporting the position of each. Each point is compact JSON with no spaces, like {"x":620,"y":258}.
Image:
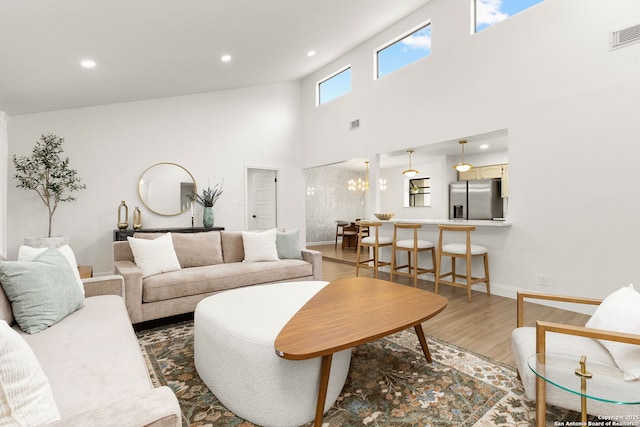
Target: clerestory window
{"x":333,"y":86}
{"x":490,"y":12}
{"x":404,"y":50}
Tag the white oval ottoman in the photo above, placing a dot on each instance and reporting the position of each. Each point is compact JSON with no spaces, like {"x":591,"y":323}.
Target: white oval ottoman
{"x":234,"y":333}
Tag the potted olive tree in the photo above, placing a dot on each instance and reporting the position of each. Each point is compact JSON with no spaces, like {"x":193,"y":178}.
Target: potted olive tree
{"x":47,"y":172}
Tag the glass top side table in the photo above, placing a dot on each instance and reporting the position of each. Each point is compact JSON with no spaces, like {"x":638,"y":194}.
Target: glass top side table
{"x":586,"y":378}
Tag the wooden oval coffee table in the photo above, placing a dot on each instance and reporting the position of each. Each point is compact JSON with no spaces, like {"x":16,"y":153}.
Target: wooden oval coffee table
{"x":353,"y":311}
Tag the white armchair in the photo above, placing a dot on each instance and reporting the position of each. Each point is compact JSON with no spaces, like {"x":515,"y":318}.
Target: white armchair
{"x":547,"y":337}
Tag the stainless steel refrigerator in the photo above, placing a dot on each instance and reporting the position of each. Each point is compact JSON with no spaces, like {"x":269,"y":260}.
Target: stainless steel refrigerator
{"x":475,"y":199}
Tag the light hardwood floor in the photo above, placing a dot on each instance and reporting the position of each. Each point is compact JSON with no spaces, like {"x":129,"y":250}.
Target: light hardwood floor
{"x":483,"y":325}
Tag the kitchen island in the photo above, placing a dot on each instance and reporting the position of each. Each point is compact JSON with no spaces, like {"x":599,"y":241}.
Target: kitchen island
{"x":490,"y":234}
{"x":435,"y":222}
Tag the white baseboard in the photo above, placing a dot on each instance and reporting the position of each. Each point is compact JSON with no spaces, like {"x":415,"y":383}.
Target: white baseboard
{"x":321,"y":243}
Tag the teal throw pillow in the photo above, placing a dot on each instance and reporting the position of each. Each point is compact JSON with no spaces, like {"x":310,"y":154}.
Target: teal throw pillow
{"x":288,"y":244}
{"x":42,"y":292}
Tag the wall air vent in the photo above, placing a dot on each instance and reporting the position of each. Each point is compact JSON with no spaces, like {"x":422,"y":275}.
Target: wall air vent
{"x":354,"y":124}
{"x":625,"y":37}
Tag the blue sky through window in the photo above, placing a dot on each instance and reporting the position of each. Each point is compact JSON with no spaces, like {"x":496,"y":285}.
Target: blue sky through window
{"x":489,"y":12}
{"x":405,"y":51}
{"x":334,"y":86}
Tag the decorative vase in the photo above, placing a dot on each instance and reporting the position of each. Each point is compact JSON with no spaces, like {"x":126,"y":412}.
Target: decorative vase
{"x":137,"y":219}
{"x":123,"y":223}
{"x":207,"y":217}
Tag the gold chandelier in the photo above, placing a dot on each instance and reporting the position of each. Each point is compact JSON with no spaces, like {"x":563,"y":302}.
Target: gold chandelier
{"x":462,"y":166}
{"x":360,"y":184}
{"x":410,"y":172}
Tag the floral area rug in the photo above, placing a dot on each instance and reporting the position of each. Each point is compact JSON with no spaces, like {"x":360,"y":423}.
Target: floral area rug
{"x":389,"y":384}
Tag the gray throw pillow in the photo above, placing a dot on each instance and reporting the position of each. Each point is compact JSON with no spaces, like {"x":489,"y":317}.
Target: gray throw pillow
{"x":42,"y":292}
{"x":288,"y":244}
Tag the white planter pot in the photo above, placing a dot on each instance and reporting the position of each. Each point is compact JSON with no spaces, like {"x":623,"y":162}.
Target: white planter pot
{"x":46,"y":242}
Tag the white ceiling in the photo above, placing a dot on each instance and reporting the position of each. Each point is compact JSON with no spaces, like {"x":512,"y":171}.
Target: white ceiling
{"x":158,"y":48}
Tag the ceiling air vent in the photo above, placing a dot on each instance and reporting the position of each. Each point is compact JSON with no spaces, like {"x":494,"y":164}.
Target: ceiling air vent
{"x":625,"y":37}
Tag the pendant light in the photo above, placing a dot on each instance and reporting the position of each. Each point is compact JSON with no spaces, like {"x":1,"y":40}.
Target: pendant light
{"x":410,"y":172}
{"x":366,"y":176}
{"x":462,"y":166}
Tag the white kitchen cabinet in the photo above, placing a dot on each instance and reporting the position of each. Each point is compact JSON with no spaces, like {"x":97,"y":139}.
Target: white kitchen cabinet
{"x":488,"y":172}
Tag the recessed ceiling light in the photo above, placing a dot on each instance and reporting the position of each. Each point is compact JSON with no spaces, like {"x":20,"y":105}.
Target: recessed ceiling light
{"x":484,"y":146}
{"x":311,"y":53}
{"x":225,"y":58}
{"x":88,"y":63}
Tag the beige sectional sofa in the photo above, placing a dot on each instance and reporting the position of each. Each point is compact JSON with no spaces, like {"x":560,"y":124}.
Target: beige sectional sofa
{"x":210,"y":262}
{"x":94,"y":365}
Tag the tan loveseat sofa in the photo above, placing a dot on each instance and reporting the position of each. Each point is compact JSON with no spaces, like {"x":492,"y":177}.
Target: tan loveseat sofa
{"x":210,"y":262}
{"x":94,"y":365}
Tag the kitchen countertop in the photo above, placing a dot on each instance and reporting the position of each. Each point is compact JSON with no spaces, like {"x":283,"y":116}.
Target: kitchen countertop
{"x":477,"y":223}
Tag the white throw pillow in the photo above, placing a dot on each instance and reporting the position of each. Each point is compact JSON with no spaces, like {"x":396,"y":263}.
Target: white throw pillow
{"x":27,"y":253}
{"x":620,"y":312}
{"x":154,"y":256}
{"x":260,"y":246}
{"x":25,"y":397}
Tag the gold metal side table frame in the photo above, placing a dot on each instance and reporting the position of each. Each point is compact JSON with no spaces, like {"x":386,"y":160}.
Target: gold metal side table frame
{"x":586,"y":378}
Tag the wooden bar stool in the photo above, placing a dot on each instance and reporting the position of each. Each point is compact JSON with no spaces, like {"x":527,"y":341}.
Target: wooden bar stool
{"x":413,"y":247}
{"x":461,"y":250}
{"x":374,"y":242}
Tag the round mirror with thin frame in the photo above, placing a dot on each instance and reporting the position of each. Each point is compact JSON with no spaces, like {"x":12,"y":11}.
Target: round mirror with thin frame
{"x":166,"y":188}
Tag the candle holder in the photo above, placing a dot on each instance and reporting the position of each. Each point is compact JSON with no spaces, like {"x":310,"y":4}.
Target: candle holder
{"x":123,"y":224}
{"x":137,"y":219}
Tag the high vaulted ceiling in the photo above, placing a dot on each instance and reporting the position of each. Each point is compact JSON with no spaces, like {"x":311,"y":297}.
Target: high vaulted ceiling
{"x":158,"y":48}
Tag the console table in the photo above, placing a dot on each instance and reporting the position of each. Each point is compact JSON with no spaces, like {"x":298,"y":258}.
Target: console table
{"x":121,"y":235}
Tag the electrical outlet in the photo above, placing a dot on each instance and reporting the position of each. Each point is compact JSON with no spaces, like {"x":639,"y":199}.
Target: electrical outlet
{"x":543,"y":279}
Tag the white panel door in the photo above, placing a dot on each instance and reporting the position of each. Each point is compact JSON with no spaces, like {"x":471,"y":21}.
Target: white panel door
{"x":263,"y":199}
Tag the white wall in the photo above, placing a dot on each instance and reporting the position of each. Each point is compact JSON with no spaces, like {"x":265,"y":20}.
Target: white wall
{"x":213,"y":135}
{"x":4,"y":158}
{"x":569,"y":106}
